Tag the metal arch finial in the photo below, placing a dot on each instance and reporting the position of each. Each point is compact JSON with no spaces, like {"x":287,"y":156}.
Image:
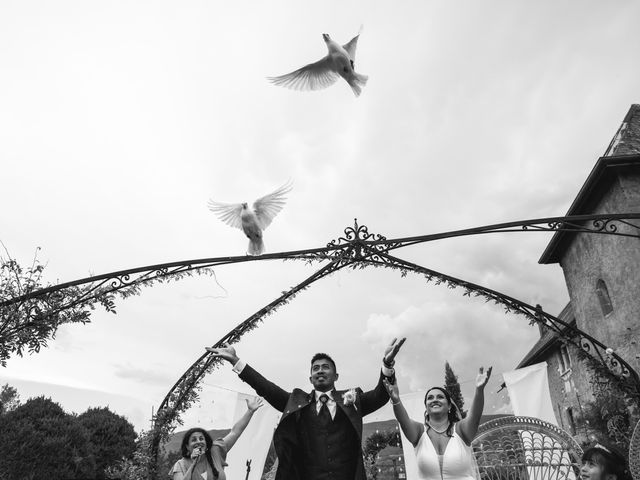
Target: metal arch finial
{"x":357,"y":245}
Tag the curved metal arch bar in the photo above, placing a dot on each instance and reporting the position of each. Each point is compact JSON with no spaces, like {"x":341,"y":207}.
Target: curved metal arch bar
{"x":595,"y":350}
{"x":112,"y":282}
{"x":181,"y":390}
{"x":357,"y":250}
{"x":349,"y":250}
{"x":362,"y":256}
{"x":601,"y":224}
{"x":118,"y":280}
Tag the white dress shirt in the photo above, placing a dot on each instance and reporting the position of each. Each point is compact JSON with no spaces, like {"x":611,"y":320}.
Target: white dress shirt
{"x":331,"y":403}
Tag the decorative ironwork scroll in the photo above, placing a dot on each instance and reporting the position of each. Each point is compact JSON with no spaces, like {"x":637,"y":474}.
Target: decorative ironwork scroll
{"x":359,"y":245}
{"x":606,"y":224}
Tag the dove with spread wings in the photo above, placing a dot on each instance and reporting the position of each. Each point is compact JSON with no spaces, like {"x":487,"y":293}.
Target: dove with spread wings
{"x":252,"y":220}
{"x":339,"y":62}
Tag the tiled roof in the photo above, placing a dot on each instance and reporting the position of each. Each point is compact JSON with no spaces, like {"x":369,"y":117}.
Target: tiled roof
{"x":603,"y":174}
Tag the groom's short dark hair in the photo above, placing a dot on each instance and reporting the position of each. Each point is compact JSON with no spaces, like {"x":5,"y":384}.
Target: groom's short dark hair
{"x":323,"y":356}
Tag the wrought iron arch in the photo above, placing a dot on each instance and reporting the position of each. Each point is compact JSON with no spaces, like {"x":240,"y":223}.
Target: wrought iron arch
{"x":356,"y":249}
{"x":359,"y":249}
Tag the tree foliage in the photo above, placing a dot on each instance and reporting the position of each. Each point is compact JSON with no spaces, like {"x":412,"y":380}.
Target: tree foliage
{"x":28,"y":324}
{"x":453,"y":387}
{"x":141,"y":465}
{"x":373,"y":445}
{"x":111,"y":438}
{"x":39,"y":440}
{"x":31,"y":311}
{"x":608,"y":417}
{"x":9,"y":399}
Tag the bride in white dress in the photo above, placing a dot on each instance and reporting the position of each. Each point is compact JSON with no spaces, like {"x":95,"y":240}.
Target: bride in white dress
{"x":442,"y":442}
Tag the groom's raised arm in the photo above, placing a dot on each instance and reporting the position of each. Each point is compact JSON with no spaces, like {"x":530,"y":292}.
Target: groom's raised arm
{"x":268,"y":390}
{"x":374,"y":399}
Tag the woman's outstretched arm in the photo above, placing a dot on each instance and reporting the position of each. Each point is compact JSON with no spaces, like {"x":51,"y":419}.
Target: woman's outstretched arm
{"x":411,"y":429}
{"x":235,"y":432}
{"x":468,"y":427}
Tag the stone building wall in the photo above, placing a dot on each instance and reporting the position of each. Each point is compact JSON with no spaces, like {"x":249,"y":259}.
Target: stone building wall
{"x":616,"y":261}
{"x":588,"y":258}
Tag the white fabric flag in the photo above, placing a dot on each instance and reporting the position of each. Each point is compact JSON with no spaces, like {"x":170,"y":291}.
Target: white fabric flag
{"x":254,"y":442}
{"x":529,"y":392}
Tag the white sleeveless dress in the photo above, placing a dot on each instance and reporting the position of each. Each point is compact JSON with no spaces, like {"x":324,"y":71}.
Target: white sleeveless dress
{"x":458,"y":460}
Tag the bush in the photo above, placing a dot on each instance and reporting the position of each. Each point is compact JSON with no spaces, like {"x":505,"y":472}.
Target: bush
{"x":39,"y":440}
{"x":111,"y":438}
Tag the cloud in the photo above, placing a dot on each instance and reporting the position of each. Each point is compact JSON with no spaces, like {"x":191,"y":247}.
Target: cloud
{"x":142,"y":375}
{"x":466,"y":335}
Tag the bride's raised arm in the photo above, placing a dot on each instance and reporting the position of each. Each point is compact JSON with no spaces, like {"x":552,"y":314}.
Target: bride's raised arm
{"x":411,"y":429}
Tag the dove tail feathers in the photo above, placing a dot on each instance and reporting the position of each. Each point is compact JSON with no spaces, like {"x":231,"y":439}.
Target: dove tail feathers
{"x":357,"y":82}
{"x":256,"y":246}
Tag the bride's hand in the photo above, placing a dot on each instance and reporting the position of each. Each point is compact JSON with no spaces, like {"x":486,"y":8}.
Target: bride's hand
{"x":483,"y":377}
{"x":394,"y":392}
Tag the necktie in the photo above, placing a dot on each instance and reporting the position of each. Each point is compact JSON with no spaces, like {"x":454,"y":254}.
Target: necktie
{"x":323,"y":415}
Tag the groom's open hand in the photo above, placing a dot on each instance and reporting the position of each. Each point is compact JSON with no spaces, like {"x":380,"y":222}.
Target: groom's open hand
{"x":226,"y":352}
{"x":392,"y":350}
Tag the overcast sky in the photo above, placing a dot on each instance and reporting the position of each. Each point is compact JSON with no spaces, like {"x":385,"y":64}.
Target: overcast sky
{"x":119,"y":121}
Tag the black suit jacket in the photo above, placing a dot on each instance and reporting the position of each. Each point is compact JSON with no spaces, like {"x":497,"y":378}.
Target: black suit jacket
{"x":286,"y":437}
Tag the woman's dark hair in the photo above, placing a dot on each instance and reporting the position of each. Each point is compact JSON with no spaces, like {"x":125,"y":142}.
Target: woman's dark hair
{"x":453,"y":414}
{"x":611,"y":461}
{"x":207,"y":439}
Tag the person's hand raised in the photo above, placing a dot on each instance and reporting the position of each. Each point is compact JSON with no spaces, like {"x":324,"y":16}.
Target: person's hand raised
{"x":392,"y":350}
{"x":254,"y":403}
{"x":483,"y":377}
{"x":392,"y":388}
{"x":226,"y":352}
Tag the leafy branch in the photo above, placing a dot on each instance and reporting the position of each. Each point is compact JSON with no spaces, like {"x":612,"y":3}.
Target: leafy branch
{"x":28,"y":324}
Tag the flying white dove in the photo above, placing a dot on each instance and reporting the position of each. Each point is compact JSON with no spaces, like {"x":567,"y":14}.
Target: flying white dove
{"x":325,"y":72}
{"x":252,"y":220}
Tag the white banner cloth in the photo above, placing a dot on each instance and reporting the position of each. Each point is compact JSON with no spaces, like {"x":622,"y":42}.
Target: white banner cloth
{"x":254,"y":442}
{"x":529,"y":392}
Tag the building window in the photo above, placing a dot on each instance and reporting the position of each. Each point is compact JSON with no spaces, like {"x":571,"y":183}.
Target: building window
{"x":559,"y":415}
{"x":571,"y":421}
{"x":603,"y":297}
{"x":565,"y":359}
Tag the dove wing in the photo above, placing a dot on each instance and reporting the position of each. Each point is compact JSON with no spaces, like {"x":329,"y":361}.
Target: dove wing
{"x":351,"y":46}
{"x":314,"y":76}
{"x":229,"y":213}
{"x":267,"y":207}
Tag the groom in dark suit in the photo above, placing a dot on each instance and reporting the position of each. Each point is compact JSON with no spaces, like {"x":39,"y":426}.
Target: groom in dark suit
{"x":319,"y":436}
